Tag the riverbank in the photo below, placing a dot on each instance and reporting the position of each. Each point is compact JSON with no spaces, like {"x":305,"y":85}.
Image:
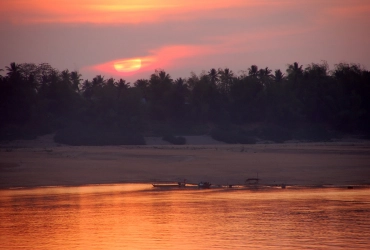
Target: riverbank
{"x":42,"y":162}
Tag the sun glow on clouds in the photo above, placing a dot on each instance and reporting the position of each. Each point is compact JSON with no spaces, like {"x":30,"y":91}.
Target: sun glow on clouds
{"x":167,"y":58}
{"x":129,"y":65}
{"x":122,"y":67}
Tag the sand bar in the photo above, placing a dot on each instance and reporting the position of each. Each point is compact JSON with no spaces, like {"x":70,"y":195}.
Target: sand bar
{"x":44,"y":163}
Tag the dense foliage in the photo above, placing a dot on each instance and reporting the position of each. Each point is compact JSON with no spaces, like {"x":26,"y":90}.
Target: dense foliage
{"x":303,"y":103}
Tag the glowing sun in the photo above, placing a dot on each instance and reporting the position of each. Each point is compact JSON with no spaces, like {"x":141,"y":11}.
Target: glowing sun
{"x":128,"y":65}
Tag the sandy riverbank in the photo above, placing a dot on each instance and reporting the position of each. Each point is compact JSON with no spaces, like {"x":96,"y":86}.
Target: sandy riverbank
{"x":42,"y":162}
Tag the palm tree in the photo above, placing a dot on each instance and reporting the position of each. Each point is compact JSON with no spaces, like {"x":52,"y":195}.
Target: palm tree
{"x":141,"y":83}
{"x":253,"y":70}
{"x":226,"y":76}
{"x":110,"y":82}
{"x":13,"y":70}
{"x":181,"y":86}
{"x":294,"y":71}
{"x":98,"y":81}
{"x":213,"y":76}
{"x":266,"y":72}
{"x":179,"y":82}
{"x":279,"y":76}
{"x":87,"y":89}
{"x":192,"y":80}
{"x":178,"y":96}
{"x":160,"y":77}
{"x":163,"y":76}
{"x":121,"y":84}
{"x":265,"y":76}
{"x":76,"y":80}
{"x":160,"y":85}
{"x":66,"y":78}
{"x":142,"y":86}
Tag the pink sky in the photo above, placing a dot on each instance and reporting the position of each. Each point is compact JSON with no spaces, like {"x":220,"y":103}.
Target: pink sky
{"x":97,"y":36}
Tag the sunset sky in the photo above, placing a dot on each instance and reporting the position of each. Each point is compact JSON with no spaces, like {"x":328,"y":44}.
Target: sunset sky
{"x":130,"y":39}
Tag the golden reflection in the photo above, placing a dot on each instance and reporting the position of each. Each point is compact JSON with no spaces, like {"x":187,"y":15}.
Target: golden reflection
{"x":140,"y":217}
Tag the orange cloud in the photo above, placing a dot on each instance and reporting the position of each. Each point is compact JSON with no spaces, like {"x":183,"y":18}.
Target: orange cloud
{"x":177,"y":56}
{"x":168,"y":57}
{"x":353,"y":9}
{"x":108,"y":11}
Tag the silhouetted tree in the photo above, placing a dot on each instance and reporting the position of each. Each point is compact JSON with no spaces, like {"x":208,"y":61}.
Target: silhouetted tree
{"x":213,"y":76}
{"x":265,"y":76}
{"x":279,"y":76}
{"x":13,"y":70}
{"x":253,"y":71}
{"x":226,"y":80}
{"x":160,"y":84}
{"x":142,"y":86}
{"x":294,"y":72}
{"x":76,"y":81}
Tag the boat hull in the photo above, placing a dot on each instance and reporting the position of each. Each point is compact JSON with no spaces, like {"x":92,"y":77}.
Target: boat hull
{"x":168,"y":185}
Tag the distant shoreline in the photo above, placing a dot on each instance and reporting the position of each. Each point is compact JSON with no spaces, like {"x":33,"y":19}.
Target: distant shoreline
{"x":213,"y":187}
{"x":264,"y":187}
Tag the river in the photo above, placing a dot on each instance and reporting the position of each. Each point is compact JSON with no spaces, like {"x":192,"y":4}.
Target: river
{"x":138,"y":216}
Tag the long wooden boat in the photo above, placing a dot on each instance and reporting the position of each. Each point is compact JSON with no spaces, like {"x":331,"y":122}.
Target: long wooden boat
{"x":169,"y":185}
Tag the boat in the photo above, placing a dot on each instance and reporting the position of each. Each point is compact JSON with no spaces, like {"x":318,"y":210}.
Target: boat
{"x":169,"y":185}
{"x":250,"y":181}
{"x":204,"y":184}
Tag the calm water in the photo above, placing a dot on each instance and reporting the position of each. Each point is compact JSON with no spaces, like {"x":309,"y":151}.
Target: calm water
{"x":137,"y":216}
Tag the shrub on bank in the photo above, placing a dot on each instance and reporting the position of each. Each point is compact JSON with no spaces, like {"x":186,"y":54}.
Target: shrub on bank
{"x":312,"y":133}
{"x":177,"y":140}
{"x":14,"y":132}
{"x":232,"y":136}
{"x":79,"y":135}
{"x":274,"y":133}
{"x":159,"y":129}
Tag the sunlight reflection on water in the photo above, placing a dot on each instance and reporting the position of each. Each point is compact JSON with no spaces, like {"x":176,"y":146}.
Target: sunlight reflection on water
{"x":137,"y":216}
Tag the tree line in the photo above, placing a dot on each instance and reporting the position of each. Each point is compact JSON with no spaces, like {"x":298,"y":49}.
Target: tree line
{"x":39,"y":99}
